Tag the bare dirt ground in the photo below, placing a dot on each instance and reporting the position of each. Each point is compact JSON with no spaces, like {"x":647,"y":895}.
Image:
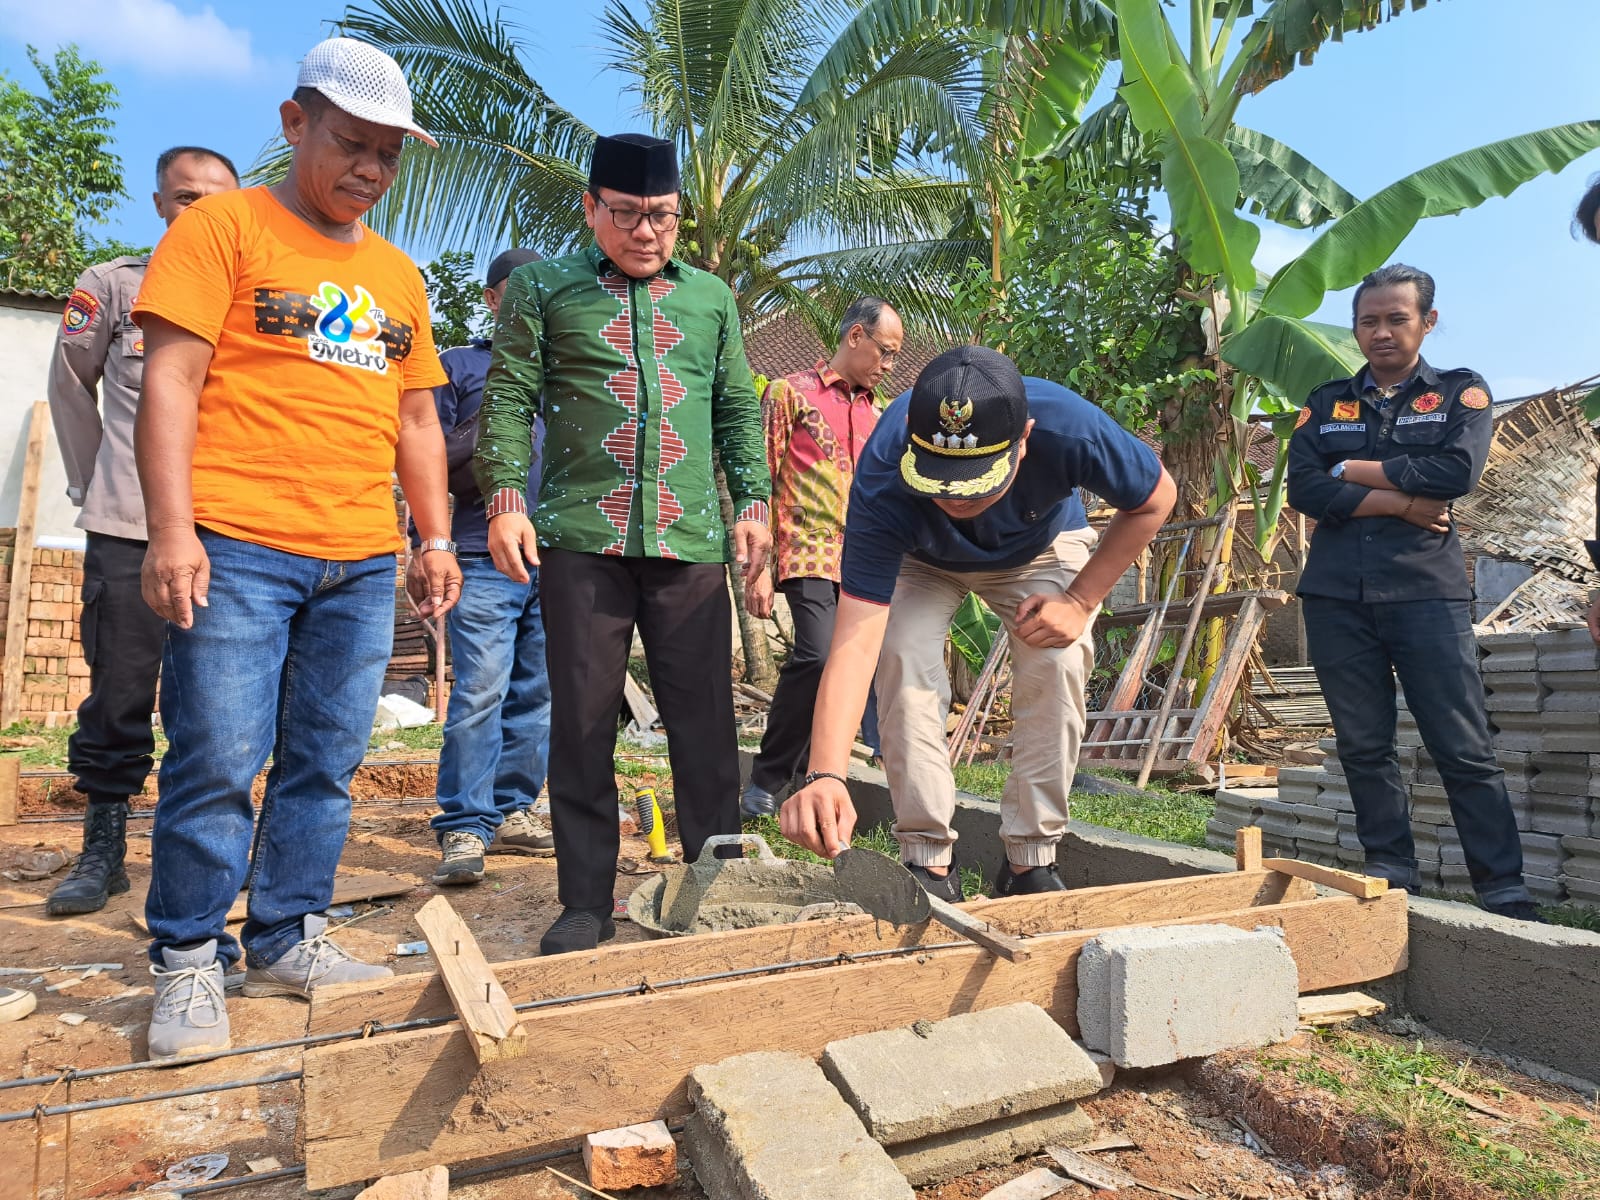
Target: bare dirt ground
{"x":1181,"y":1126}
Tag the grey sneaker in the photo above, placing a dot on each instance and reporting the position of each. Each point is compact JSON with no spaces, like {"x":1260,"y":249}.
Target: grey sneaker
{"x":523,"y":833}
{"x":309,"y":964}
{"x":757,"y":802}
{"x":462,"y":861}
{"x":190,"y":1017}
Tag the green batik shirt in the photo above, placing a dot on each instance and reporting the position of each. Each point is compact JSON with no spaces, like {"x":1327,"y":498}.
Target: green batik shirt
{"x":627,"y":451}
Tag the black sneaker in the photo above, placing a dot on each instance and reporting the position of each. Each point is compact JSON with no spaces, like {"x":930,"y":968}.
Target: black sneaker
{"x":1518,"y":910}
{"x":1027,"y":883}
{"x":578,"y":929}
{"x":947,"y":887}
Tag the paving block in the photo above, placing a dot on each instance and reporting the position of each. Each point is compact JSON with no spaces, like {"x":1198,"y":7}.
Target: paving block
{"x":1521,"y":809}
{"x":1566,"y":650}
{"x":1571,"y":691}
{"x":769,"y":1126}
{"x":1430,"y":805}
{"x":1518,"y":766}
{"x":1313,"y":823}
{"x":1507,"y":652}
{"x":1570,"y":732}
{"x":1567,"y":774}
{"x":1298,"y":785}
{"x":1513,"y":691}
{"x":1335,"y":794}
{"x":1547,"y":890}
{"x":1152,"y":996}
{"x":1542,"y":854}
{"x":1517,"y":731}
{"x":1580,"y":891}
{"x":1571,"y":816}
{"x":1322,"y":854}
{"x":946,"y":1155}
{"x":1581,"y":866}
{"x":1350,"y":857}
{"x":1219,"y":834}
{"x":1108,"y":1069}
{"x":1581,"y":847}
{"x":1454,"y":877}
{"x":1425,"y":838}
{"x":1277,"y":819}
{"x":633,"y":1156}
{"x":942,"y":1075}
{"x":432,"y":1183}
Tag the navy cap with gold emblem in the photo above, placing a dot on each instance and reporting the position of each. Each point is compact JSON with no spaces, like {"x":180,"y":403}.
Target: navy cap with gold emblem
{"x":968,"y":412}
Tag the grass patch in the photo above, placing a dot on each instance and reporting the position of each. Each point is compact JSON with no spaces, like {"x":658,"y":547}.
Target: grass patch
{"x":1557,"y":1156}
{"x":418,"y":737}
{"x":1169,"y":816}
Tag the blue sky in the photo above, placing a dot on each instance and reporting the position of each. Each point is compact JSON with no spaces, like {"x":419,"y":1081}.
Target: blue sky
{"x":1516,"y":292}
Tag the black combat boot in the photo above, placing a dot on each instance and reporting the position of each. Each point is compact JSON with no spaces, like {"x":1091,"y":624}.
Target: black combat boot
{"x":98,"y":873}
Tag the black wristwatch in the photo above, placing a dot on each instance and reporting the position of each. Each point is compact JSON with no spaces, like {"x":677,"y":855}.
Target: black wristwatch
{"x":813,"y":776}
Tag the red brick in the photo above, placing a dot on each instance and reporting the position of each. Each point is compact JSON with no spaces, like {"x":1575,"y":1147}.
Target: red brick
{"x":631,"y":1157}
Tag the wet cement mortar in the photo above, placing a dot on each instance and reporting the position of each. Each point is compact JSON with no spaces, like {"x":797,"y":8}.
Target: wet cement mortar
{"x":1180,"y":1123}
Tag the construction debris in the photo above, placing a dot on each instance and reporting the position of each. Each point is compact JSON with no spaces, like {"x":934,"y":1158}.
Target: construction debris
{"x":430,"y":1184}
{"x":1038,"y":1184}
{"x":633,"y":1156}
{"x":1318,"y":1011}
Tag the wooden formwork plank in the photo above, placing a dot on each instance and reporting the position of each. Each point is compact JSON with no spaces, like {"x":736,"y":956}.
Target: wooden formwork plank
{"x":347,"y":889}
{"x":421,"y":996}
{"x":1364,"y":886}
{"x":1247,"y":848}
{"x":22,"y":567}
{"x":10,"y":786}
{"x":480,"y":1002}
{"x":400,"y":1101}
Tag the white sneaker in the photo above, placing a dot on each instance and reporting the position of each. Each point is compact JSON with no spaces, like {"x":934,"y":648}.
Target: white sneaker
{"x":309,"y":964}
{"x":190,"y":1016}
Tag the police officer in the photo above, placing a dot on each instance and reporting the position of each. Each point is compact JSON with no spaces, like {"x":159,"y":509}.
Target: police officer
{"x":95,"y":374}
{"x":1376,"y":460}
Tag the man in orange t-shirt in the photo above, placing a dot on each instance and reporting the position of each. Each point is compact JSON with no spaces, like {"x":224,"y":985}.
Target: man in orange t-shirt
{"x":289,"y":373}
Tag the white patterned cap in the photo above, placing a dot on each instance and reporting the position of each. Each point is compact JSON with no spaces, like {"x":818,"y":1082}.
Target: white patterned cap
{"x":363,"y":81}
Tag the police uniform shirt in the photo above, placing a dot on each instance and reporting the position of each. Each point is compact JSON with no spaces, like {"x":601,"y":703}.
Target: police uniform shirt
{"x":1432,"y":438}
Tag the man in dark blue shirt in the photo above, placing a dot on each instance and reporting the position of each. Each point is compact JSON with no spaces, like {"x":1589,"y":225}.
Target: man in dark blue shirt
{"x":969,"y":484}
{"x":497,"y":727}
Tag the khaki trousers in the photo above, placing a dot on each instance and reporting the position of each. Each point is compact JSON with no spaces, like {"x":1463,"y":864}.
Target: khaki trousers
{"x":1047,"y":706}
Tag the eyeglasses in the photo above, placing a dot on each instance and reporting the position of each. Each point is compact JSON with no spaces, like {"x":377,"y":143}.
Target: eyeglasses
{"x":627,"y":219}
{"x":885,"y":355}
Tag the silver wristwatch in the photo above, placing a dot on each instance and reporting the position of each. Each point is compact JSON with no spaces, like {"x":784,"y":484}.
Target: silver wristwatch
{"x":444,"y":544}
{"x":1338,"y":469}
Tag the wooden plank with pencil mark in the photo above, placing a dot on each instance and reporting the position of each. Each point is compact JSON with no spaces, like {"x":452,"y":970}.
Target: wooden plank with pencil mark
{"x":420,"y":996}
{"x":481,"y":1004}
{"x":399,"y":1101}
{"x":22,"y":567}
{"x":1364,"y":887}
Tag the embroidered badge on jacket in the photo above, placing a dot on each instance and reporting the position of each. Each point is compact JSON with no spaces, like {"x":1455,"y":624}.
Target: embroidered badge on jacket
{"x":1475,"y":397}
{"x":1427,"y":402}
{"x":80,"y":311}
{"x":1347,"y":410}
{"x":1305,"y":415}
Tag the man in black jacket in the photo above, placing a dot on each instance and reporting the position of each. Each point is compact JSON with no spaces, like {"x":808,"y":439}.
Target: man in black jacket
{"x":1376,"y":460}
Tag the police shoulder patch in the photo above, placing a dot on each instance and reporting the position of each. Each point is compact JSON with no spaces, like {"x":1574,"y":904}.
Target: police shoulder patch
{"x":1305,"y":415}
{"x":1475,"y":397}
{"x":81,"y":308}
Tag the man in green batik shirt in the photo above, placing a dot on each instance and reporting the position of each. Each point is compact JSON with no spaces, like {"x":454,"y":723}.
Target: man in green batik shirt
{"x":637,"y":365}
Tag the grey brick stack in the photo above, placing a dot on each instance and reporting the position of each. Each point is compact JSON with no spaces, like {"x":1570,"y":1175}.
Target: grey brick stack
{"x":1543,"y":698}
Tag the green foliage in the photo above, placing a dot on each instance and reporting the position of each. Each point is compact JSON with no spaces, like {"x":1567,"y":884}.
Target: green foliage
{"x":1090,"y":299}
{"x":972,"y":631}
{"x":456,"y":298}
{"x":58,"y":176}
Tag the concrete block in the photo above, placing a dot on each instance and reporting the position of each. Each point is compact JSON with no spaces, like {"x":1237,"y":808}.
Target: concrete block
{"x":1571,"y":691}
{"x":1219,"y":833}
{"x":1426,"y":840}
{"x":769,"y":1126}
{"x":1580,"y":891}
{"x":1298,"y":785}
{"x":432,"y":1183}
{"x":1350,"y":858}
{"x":1507,"y":652}
{"x":1570,"y":732}
{"x":1521,"y":809}
{"x":1581,"y":866}
{"x":1323,"y":855}
{"x":1455,"y":879}
{"x":942,"y":1075}
{"x":1429,"y":805}
{"x":1518,"y":766}
{"x":1517,"y":731}
{"x":1547,"y":890}
{"x":947,"y":1155}
{"x":1335,"y":795}
{"x":1570,"y":816}
{"x":633,"y":1156}
{"x":1152,"y":996}
{"x":1513,"y":691}
{"x":1314,"y":823}
{"x":1542,"y":855}
{"x":1108,"y":1069}
{"x":1566,"y":650}
{"x":1581,"y":847}
{"x":1567,"y":774}
{"x":1278,"y":819}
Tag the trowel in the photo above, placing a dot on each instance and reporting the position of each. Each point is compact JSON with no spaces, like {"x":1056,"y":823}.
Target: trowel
{"x":885,"y":889}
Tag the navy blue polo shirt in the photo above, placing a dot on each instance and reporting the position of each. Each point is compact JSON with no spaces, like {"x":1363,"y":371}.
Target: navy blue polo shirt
{"x":457,"y":401}
{"x":1073,"y":445}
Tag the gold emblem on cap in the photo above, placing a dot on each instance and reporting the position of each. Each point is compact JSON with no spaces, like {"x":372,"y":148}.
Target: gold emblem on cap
{"x":955,"y":415}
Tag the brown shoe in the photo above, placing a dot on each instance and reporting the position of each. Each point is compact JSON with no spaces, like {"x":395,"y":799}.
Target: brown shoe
{"x":523,"y":833}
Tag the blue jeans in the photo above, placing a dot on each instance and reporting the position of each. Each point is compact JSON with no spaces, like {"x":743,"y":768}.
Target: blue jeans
{"x":287,"y":659}
{"x":1358,"y":649}
{"x":497,"y":728}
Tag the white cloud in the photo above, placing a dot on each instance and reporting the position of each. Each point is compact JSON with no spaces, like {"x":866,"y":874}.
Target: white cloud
{"x":1280,"y":244}
{"x":155,"y":36}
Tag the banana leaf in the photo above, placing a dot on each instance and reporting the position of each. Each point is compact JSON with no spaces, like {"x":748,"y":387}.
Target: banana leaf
{"x":972,"y":631}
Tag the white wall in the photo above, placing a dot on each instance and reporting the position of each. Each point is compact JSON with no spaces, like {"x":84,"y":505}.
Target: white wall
{"x":27,"y":334}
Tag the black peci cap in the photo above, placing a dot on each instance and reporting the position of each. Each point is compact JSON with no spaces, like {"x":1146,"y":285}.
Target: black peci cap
{"x":635,"y":164}
{"x":969,"y":410}
{"x":506,"y":262}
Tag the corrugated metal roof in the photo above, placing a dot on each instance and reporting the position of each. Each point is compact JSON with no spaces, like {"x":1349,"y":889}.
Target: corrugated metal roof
{"x":33,"y":294}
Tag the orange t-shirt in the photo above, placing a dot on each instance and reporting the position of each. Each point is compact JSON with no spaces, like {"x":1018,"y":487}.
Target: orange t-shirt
{"x":315,"y":340}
